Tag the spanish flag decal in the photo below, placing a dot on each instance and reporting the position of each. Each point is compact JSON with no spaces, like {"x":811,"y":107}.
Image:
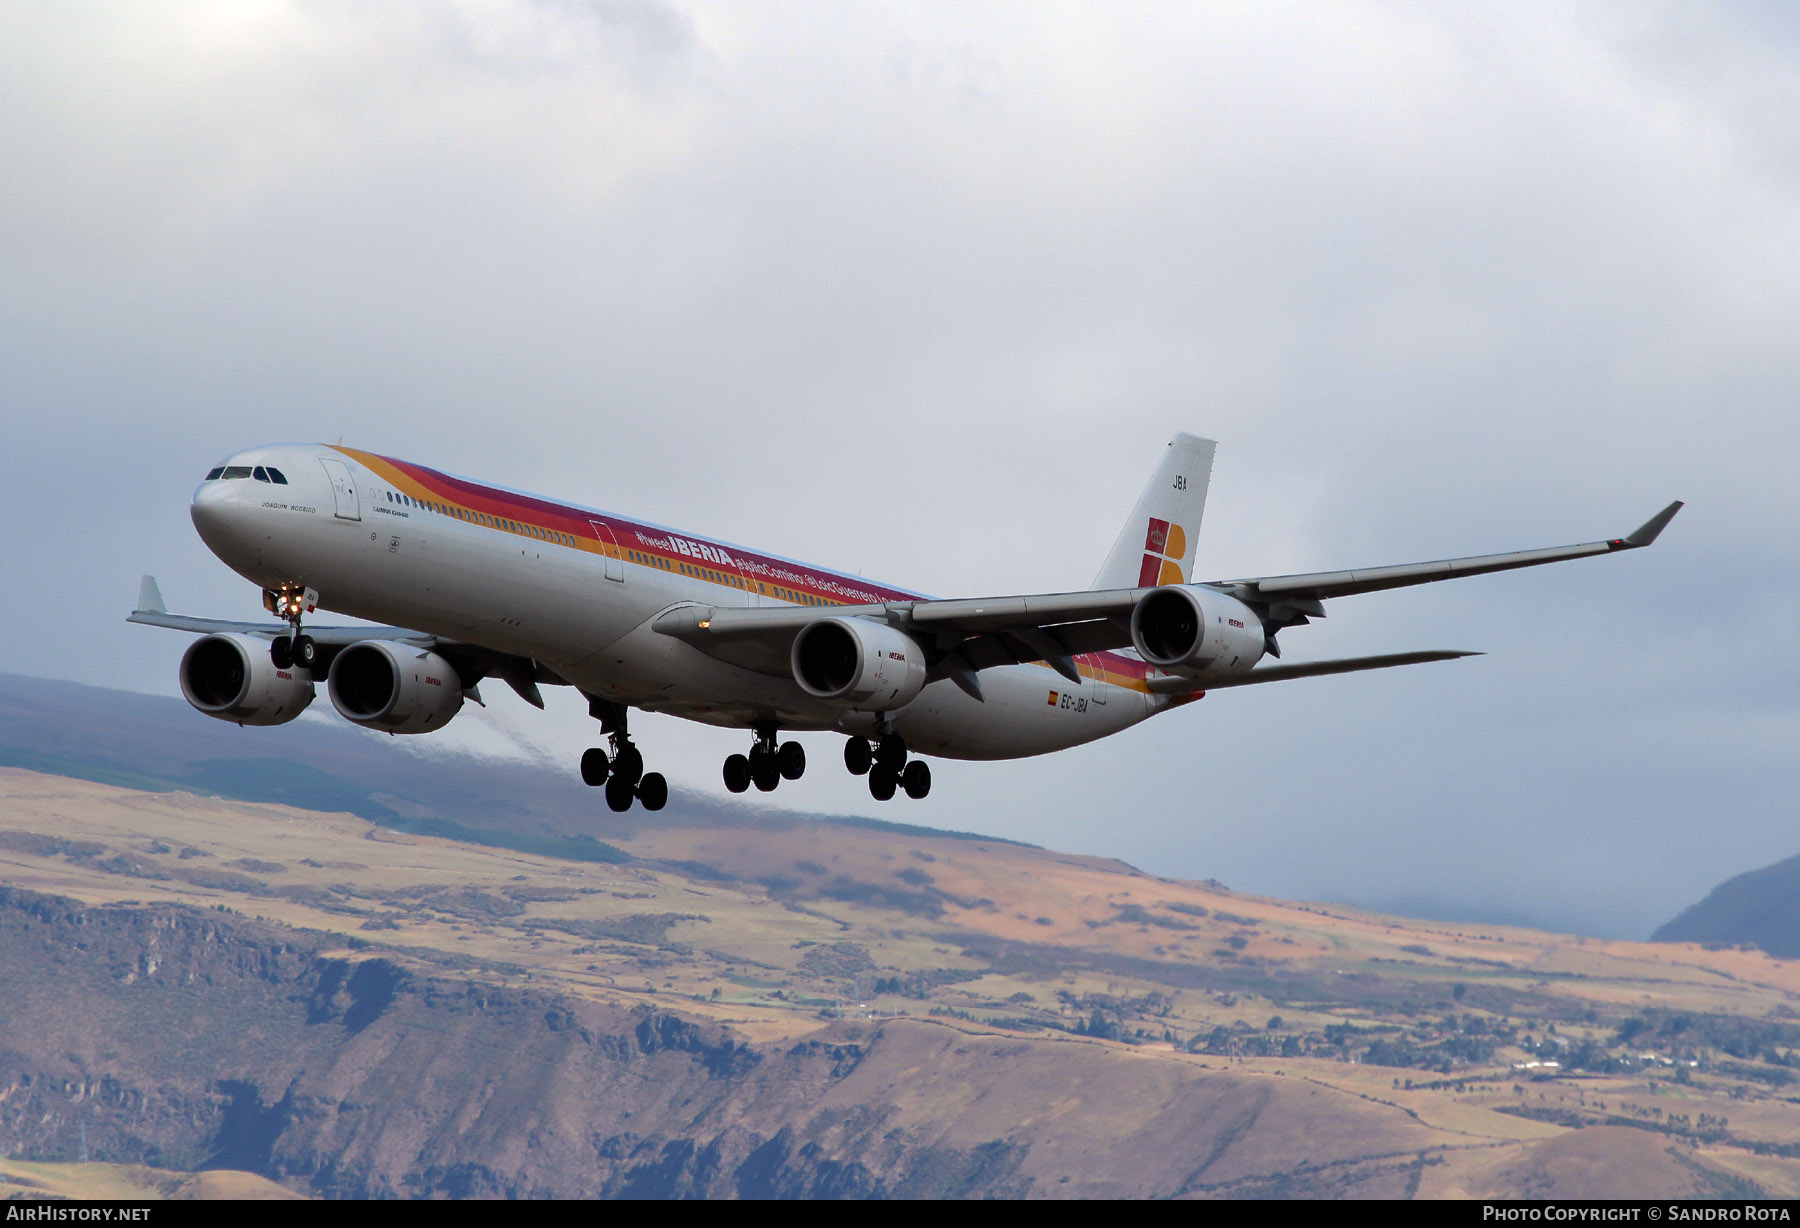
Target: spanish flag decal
{"x":1052,"y":699}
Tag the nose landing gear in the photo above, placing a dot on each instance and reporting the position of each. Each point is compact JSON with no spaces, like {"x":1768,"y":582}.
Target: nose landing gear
{"x":290,"y":602}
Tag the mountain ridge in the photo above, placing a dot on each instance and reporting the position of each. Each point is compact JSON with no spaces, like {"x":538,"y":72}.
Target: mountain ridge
{"x":1760,"y":907}
{"x":831,"y":1010}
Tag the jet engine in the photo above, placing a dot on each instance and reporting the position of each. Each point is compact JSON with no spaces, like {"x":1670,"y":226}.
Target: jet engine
{"x":856,"y":663}
{"x":1197,"y":632}
{"x":380,"y":684}
{"x":232,"y":677}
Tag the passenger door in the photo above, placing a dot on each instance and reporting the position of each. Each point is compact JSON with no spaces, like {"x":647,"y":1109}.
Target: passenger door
{"x":343,"y":488}
{"x":609,"y":547}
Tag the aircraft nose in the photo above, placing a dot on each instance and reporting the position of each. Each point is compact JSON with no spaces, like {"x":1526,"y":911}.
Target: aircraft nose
{"x":211,"y":510}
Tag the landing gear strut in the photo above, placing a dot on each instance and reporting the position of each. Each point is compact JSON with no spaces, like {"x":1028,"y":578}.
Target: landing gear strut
{"x":767,"y":764}
{"x":885,"y":763}
{"x":622,"y":773}
{"x":290,"y":602}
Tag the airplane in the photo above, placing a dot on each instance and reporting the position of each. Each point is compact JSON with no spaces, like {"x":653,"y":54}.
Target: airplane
{"x":468,"y":580}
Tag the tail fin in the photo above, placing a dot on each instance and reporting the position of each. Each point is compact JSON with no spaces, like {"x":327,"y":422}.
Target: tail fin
{"x":1156,"y":546}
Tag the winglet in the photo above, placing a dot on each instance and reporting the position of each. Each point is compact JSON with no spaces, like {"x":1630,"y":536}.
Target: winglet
{"x":150,"y":599}
{"x":1648,"y":531}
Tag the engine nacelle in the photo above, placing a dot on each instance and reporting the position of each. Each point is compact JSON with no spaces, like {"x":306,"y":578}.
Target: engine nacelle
{"x":1197,"y":632}
{"x":856,"y":663}
{"x":233,"y":678}
{"x":394,"y":687}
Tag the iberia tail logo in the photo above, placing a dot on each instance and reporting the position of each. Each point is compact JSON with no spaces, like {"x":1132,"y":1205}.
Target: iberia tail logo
{"x":1164,"y":547}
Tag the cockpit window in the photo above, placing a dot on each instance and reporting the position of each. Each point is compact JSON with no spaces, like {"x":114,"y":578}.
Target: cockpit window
{"x":235,"y":471}
{"x":214,"y":474}
{"x":260,"y":474}
{"x":276,"y":476}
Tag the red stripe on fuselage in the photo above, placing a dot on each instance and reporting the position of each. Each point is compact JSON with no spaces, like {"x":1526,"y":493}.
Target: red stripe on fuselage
{"x":770,"y":575}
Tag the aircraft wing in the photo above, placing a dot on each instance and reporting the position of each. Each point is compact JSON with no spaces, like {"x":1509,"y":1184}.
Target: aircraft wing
{"x":963,"y":636}
{"x":325,"y":637}
{"x":153,"y":613}
{"x":471,"y":660}
{"x":1319,"y":585}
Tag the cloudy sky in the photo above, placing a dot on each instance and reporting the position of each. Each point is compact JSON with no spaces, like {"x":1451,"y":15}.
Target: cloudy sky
{"x":921,"y":290}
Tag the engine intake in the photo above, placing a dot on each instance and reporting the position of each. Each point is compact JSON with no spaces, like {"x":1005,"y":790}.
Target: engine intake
{"x":379,"y":684}
{"x":233,"y":678}
{"x":856,"y":663}
{"x":1197,"y":632}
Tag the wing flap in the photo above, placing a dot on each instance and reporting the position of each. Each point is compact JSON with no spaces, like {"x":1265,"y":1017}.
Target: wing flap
{"x":977,"y":614}
{"x":969,"y":615}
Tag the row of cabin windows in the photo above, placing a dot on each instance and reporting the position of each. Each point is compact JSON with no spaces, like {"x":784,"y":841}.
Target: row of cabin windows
{"x":482,"y":518}
{"x":262,"y":473}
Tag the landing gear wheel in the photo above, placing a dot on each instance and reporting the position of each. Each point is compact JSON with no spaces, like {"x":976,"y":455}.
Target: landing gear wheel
{"x":306,"y":653}
{"x":891,"y":754}
{"x":857,"y":756}
{"x":765,"y":770}
{"x":595,"y":767}
{"x":882,"y":783}
{"x":627,"y":765}
{"x":737,"y":773}
{"x":653,"y":791}
{"x":282,"y":652}
{"x":791,"y":758}
{"x":916,"y":779}
{"x":619,"y":793}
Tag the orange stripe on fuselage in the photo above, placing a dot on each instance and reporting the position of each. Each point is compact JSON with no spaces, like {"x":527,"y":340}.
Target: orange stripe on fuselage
{"x":701,"y":559}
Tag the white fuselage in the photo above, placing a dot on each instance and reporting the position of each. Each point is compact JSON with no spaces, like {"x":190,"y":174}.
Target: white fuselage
{"x":577,"y":591}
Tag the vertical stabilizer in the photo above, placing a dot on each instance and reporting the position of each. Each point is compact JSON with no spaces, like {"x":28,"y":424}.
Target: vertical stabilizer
{"x":1156,"y":546}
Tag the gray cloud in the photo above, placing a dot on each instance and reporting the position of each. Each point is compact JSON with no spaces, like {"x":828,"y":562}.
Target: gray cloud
{"x":922,"y":291}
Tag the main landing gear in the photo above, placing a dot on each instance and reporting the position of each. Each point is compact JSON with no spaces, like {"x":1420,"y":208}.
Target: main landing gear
{"x":622,"y":773}
{"x":287,"y":651}
{"x":885,"y":763}
{"x":767,"y":764}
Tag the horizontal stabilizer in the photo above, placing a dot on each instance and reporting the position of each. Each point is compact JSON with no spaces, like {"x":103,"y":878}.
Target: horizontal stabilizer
{"x":1281,"y":673}
{"x":150,"y":599}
